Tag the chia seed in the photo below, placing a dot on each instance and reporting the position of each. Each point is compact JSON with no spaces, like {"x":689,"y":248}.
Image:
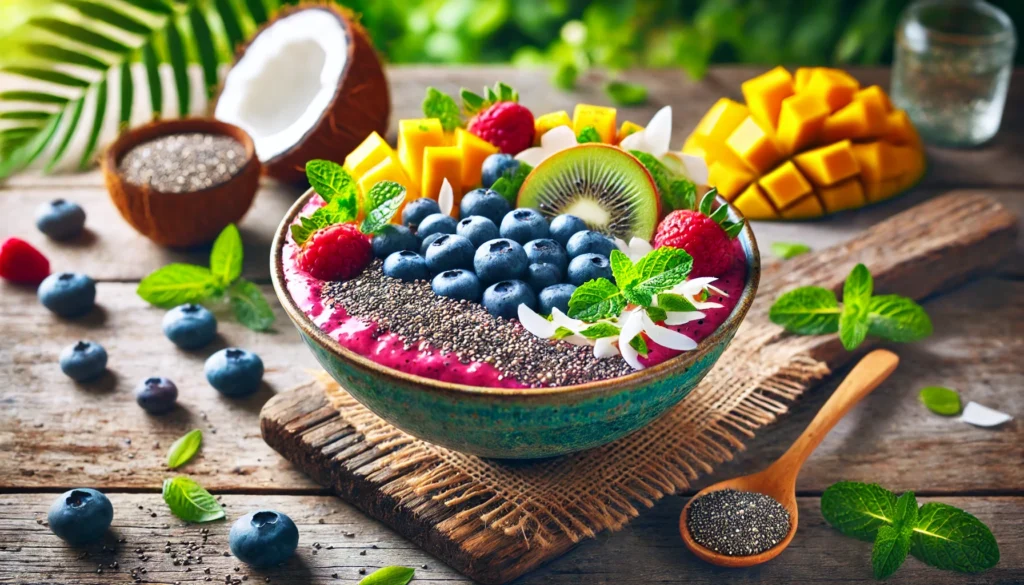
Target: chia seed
{"x":183,"y":163}
{"x":737,"y":524}
{"x":412,"y":311}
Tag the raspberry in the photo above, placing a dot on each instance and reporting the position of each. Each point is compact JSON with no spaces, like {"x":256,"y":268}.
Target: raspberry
{"x":336,"y":252}
{"x":507,"y":125}
{"x":701,"y":237}
{"x":20,"y":262}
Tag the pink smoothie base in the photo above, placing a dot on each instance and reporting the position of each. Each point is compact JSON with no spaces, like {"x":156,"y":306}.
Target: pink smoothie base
{"x":388,"y":349}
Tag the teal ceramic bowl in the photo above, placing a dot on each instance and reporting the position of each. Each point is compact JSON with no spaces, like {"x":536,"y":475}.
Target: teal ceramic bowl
{"x":515,"y":423}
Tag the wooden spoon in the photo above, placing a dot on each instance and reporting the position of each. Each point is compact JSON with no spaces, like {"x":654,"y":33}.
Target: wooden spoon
{"x":779,"y":479}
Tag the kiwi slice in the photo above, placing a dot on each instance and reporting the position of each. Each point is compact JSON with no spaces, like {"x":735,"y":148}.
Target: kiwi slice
{"x":605,"y":186}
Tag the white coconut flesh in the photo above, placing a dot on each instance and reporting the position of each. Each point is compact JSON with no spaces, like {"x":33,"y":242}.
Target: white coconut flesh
{"x":286,"y":79}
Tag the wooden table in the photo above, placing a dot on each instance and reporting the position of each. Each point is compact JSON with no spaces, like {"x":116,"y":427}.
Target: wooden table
{"x":55,"y":435}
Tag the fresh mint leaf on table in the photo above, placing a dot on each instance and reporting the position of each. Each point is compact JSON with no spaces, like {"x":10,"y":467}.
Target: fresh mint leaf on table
{"x":442,"y":106}
{"x":813,"y":310}
{"x":389,"y":576}
{"x":623,"y":93}
{"x":176,"y":284}
{"x":189,"y":501}
{"x":226,"y":256}
{"x":250,"y":306}
{"x":182,"y":451}
{"x":939,"y":534}
{"x":588,"y":134}
{"x":787,"y":250}
{"x":941,"y":400}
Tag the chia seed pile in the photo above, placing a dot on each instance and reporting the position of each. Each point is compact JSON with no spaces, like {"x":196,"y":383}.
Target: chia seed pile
{"x":737,"y":524}
{"x":413,"y":311}
{"x":183,"y":163}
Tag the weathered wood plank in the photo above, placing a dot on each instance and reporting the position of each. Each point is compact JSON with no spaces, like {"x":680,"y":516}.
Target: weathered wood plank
{"x":650,"y":551}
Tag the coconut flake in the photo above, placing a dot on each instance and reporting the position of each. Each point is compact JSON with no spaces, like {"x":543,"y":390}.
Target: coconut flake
{"x":636,"y":249}
{"x":557,"y":139}
{"x":696,"y":169}
{"x":536,"y":324}
{"x":605,"y":348}
{"x":983,"y":416}
{"x":682,"y":317}
{"x":445,"y":198}
{"x":655,"y":137}
{"x":666,"y":337}
{"x":631,"y":327}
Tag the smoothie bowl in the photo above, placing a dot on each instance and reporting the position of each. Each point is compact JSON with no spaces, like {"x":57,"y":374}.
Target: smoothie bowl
{"x":559,"y":318}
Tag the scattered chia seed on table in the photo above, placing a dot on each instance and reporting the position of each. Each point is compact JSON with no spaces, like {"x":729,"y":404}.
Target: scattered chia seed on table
{"x":413,"y":311}
{"x":737,"y":524}
{"x":183,"y":163}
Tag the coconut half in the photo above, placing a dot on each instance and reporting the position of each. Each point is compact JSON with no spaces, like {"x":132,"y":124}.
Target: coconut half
{"x":308,"y":85}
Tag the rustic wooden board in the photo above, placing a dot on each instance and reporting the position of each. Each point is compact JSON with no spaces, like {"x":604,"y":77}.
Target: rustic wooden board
{"x":917,"y":253}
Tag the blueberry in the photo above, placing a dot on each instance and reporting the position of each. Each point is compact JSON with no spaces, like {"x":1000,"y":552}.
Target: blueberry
{"x":190,"y":326}
{"x":436,"y":223}
{"x":68,"y":294}
{"x":80,"y":516}
{"x":83,"y":361}
{"x":156,"y":395}
{"x":485,"y":202}
{"x":477,"y":229}
{"x":417,"y":210}
{"x":523,"y":225}
{"x":457,"y":284}
{"x":588,"y":267}
{"x":547,"y":251}
{"x":542,"y":275}
{"x":502,"y":299}
{"x":407,"y":266}
{"x":588,"y":242}
{"x":263,"y":539}
{"x":234,"y":372}
{"x":449,"y":252}
{"x":497,"y":165}
{"x":564,"y":226}
{"x":60,"y":219}
{"x":500,"y":259}
{"x":393,"y":238}
{"x":555,"y":296}
{"x":427,"y":241}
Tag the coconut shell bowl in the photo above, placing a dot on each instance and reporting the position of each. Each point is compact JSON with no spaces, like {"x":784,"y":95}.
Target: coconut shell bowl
{"x":181,"y":219}
{"x":514,"y":423}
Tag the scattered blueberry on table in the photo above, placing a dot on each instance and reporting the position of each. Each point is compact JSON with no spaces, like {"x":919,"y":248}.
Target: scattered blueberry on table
{"x":263,"y":539}
{"x":547,"y":251}
{"x":190,"y":326}
{"x":426,"y":241}
{"x":80,"y":516}
{"x":83,"y":361}
{"x":60,"y":219}
{"x":68,"y":294}
{"x":156,"y":395}
{"x":234,"y":372}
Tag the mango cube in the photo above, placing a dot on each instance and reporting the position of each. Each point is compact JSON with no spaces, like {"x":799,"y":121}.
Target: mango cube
{"x":474,"y":150}
{"x":876,"y":96}
{"x":800,"y":120}
{"x":600,"y":117}
{"x":882,"y":190}
{"x":876,"y":162}
{"x":835,"y":87}
{"x":626,"y":129}
{"x":753,"y":204}
{"x":548,"y":121}
{"x":848,"y":194}
{"x":730,"y":181}
{"x":806,"y":208}
{"x":413,"y":137}
{"x":859,"y":119}
{"x":440,"y":163}
{"x":801,"y":76}
{"x":720,"y":121}
{"x":754,"y":145}
{"x":389,"y":169}
{"x":899,"y":129}
{"x":764,"y":95}
{"x":829,"y":164}
{"x":367,"y":155}
{"x":785,"y":184}
{"x":712,"y":150}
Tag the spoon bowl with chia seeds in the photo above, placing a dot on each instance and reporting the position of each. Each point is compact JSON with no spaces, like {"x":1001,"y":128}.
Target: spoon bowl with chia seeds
{"x":749,"y":520}
{"x":180,"y":182}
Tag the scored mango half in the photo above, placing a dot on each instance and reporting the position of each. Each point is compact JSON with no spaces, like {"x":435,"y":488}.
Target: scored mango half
{"x":806,"y":145}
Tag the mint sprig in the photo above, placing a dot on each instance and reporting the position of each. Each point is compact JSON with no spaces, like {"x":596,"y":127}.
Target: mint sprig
{"x":813,"y":310}
{"x":383,"y":201}
{"x":938,"y":534}
{"x":189,"y":501}
{"x":588,"y":134}
{"x":637,"y":284}
{"x":184,"y":448}
{"x":508,"y":184}
{"x":442,"y":106}
{"x":177,"y":284}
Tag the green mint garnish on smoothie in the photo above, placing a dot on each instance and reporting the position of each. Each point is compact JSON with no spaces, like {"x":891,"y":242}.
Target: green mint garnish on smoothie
{"x":588,"y":134}
{"x":509,"y":185}
{"x":182,"y":451}
{"x":442,"y":106}
{"x":383,"y":202}
{"x":189,"y":501}
{"x":939,"y":400}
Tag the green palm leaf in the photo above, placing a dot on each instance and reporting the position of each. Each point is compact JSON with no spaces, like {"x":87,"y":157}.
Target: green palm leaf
{"x":74,"y":48}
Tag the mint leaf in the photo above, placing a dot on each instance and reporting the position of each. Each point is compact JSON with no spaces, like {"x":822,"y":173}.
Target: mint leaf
{"x":853,"y":321}
{"x":338,"y":210}
{"x":858,"y":286}
{"x":941,"y":400}
{"x":184,"y":448}
{"x":682,"y":194}
{"x":906,"y":510}
{"x":898,"y":319}
{"x":177,"y":284}
{"x":657,"y":314}
{"x":657,"y":271}
{"x":657,"y":169}
{"x":384,"y":200}
{"x":588,"y":134}
{"x":599,"y":330}
{"x":890,"y":550}
{"x":808,"y":310}
{"x":951,"y":539}
{"x":389,"y":576}
{"x":787,"y":250}
{"x":596,"y":299}
{"x":250,"y":306}
{"x":189,"y":501}
{"x":639,"y":344}
{"x":562,"y":332}
{"x":226,"y":256}
{"x":509,"y":184}
{"x":330,"y":180}
{"x":471,"y":102}
{"x":442,"y":106}
{"x":622,"y":268}
{"x":858,"y":509}
{"x":675,"y":303}
{"x":623,"y":93}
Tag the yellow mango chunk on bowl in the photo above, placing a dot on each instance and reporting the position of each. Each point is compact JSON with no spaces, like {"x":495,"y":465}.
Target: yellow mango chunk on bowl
{"x":626,"y":129}
{"x":474,"y":150}
{"x":542,"y":124}
{"x":367,"y":155}
{"x":414,"y":136}
{"x":389,"y":169}
{"x":440,"y":163}
{"x":600,"y":117}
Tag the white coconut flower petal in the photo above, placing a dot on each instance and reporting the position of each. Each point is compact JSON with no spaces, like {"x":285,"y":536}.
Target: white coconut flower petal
{"x":560,"y":319}
{"x":658,"y":132}
{"x":695,"y":285}
{"x":577,"y":340}
{"x":639,"y":247}
{"x":705,"y":305}
{"x":682,"y":317}
{"x":536,"y":324}
{"x":631,"y":327}
{"x":635,"y":141}
{"x":558,"y":138}
{"x":983,"y":416}
{"x":605,"y":348}
{"x":696,"y":169}
{"x":621,"y":245}
{"x":666,"y":337}
{"x":445,"y":198}
{"x":531,"y":156}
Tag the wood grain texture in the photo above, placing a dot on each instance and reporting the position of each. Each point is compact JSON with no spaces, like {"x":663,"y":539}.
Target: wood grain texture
{"x":649,"y":552}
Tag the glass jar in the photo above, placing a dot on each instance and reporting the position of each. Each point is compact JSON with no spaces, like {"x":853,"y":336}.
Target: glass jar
{"x":951,"y":69}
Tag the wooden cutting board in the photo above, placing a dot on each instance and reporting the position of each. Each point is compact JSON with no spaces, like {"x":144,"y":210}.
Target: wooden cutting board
{"x":917,"y":253}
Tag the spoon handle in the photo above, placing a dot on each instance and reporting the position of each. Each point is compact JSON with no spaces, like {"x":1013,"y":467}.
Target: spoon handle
{"x":871,"y":371}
